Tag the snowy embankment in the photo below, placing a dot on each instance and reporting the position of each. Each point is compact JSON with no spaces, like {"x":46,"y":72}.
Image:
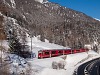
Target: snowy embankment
{"x":43,"y":45}
{"x":75,"y":60}
{"x":72,"y":62}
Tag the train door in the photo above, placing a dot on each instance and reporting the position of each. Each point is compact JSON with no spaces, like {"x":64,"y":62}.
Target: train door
{"x":39,"y":54}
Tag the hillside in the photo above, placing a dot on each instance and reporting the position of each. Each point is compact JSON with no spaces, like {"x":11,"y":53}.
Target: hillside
{"x":59,"y":25}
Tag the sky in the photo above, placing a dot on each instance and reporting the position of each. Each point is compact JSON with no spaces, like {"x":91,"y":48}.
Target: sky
{"x":89,"y":7}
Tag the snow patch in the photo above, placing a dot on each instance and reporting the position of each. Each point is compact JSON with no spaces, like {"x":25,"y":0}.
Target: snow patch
{"x":97,"y":19}
{"x":13,"y":3}
{"x":41,"y":1}
{"x":74,"y":58}
{"x":91,"y":52}
{"x":46,"y":40}
{"x":48,"y":71}
{"x":88,"y":46}
{"x":1,"y":14}
{"x":33,"y":39}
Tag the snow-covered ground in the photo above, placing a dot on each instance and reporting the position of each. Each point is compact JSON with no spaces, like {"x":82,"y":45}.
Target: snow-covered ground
{"x":72,"y":62}
{"x":44,"y":66}
{"x":43,"y":45}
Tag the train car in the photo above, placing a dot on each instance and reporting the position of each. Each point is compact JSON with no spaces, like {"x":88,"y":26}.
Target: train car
{"x":49,"y":53}
{"x":75,"y":51}
{"x":54,"y":53}
{"x":40,"y":54}
{"x":44,"y":54}
{"x":58,"y":52}
{"x":83,"y":50}
{"x":67,"y":51}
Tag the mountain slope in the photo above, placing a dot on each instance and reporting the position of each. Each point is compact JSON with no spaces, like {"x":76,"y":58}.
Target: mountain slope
{"x":51,"y":21}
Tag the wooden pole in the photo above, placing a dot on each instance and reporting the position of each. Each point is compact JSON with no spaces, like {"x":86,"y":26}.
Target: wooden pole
{"x":31,"y":46}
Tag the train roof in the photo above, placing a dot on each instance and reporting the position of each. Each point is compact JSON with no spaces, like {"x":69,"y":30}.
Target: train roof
{"x":55,"y":49}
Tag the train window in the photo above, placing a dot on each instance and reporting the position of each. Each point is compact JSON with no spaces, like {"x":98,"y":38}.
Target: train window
{"x":53,"y":52}
{"x":46,"y":53}
{"x":60,"y":51}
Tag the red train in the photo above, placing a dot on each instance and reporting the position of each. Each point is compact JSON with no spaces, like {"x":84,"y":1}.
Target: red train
{"x":58,"y":52}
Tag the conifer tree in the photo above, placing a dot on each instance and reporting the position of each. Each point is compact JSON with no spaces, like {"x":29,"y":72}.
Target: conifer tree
{"x":14,"y":44}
